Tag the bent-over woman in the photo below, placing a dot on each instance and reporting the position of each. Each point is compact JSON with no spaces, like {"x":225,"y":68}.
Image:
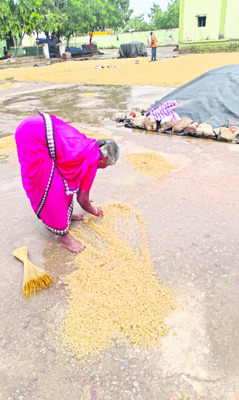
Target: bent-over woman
{"x":57,"y":161}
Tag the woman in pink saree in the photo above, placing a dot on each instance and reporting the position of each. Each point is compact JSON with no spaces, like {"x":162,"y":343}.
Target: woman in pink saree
{"x":57,"y":161}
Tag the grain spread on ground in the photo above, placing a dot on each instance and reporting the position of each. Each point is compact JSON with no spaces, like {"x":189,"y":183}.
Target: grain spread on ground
{"x":115,"y":291}
{"x":167,"y":72}
{"x":6,"y":85}
{"x":91,"y":134}
{"x":7,"y":144}
{"x":88,"y":94}
{"x":150,"y":164}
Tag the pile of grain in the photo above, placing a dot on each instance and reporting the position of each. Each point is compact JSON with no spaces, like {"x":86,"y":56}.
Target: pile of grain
{"x":150,"y":164}
{"x":115,"y":291}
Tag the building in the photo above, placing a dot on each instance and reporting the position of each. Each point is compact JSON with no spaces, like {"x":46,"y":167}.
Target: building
{"x":208,"y":25}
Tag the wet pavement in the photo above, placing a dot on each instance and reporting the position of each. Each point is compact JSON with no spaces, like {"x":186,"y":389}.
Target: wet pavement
{"x":192,"y":221}
{"x":87,"y":104}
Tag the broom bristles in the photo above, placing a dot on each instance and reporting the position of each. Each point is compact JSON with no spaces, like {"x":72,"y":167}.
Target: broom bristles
{"x":35,"y":278}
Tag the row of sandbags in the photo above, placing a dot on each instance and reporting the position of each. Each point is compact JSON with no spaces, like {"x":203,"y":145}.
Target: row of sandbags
{"x":136,"y":118}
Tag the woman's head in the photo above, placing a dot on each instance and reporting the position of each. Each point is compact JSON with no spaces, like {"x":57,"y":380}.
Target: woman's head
{"x":109,"y":151}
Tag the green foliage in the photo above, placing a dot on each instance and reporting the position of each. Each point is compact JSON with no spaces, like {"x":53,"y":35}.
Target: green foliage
{"x":137,"y":24}
{"x":66,"y":17}
{"x":77,"y":17}
{"x":49,"y":17}
{"x":165,"y":20}
{"x":108,"y":14}
{"x":18,"y":17}
{"x":4,"y":18}
{"x":93,"y":15}
{"x":158,"y":19}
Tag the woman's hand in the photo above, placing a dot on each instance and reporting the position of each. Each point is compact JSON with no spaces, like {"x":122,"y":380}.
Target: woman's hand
{"x":85,"y":203}
{"x":99,"y":212}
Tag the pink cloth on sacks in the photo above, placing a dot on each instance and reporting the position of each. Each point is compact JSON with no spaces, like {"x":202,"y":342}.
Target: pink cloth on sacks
{"x":49,"y":183}
{"x":164,"y":110}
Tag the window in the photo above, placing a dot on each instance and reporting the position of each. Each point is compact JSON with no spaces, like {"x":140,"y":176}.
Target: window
{"x":202,"y":21}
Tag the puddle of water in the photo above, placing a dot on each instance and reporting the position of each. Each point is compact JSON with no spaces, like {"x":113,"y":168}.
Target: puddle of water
{"x":69,"y":104}
{"x":76,"y":103}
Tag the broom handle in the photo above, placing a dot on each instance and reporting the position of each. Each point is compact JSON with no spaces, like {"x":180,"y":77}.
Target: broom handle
{"x":21,"y":254}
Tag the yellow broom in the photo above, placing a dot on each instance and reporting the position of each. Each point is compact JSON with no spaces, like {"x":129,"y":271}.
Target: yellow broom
{"x":35,"y":278}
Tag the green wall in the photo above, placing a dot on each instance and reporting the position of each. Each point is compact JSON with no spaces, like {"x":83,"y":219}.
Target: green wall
{"x":181,"y":20}
{"x":194,"y":8}
{"x":165,"y":37}
{"x":232,"y":20}
{"x":222,"y":19}
{"x":221,"y":32}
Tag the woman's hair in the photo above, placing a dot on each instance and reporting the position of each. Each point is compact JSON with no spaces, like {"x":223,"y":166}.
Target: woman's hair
{"x":108,"y":147}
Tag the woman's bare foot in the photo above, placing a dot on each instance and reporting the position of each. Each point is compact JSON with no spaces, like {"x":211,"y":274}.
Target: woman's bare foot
{"x":77,"y":217}
{"x":71,"y":244}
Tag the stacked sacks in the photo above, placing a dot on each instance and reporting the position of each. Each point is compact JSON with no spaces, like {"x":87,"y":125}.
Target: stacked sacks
{"x":210,"y":102}
{"x":137,"y":118}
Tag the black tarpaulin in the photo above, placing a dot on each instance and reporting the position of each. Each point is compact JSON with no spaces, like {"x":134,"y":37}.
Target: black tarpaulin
{"x":132,"y":49}
{"x":212,"y":98}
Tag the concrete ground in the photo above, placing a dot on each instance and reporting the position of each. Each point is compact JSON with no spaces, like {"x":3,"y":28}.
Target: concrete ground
{"x":192,"y":221}
{"x":162,"y":53}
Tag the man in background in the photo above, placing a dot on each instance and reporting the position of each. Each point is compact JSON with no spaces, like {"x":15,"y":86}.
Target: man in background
{"x":154,"y":44}
{"x":5,"y":52}
{"x":91,"y":34}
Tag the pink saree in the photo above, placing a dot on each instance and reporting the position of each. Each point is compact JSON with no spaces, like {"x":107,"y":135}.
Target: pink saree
{"x":55,"y":159}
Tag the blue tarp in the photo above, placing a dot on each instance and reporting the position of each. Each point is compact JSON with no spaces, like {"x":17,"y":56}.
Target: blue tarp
{"x":132,"y":49}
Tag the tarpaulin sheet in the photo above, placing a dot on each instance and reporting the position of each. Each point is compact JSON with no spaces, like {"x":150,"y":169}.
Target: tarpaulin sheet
{"x":212,"y":98}
{"x":132,"y":49}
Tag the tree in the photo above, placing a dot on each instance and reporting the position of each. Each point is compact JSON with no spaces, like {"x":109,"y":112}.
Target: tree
{"x":78,"y":17}
{"x":157,"y":17}
{"x":109,"y":14}
{"x":137,"y":24}
{"x":21,"y":19}
{"x":120,"y":13}
{"x":83,"y":16}
{"x":60,"y":17}
{"x":172,"y":15}
{"x":4,"y":18}
{"x":165,"y":20}
{"x":49,"y":17}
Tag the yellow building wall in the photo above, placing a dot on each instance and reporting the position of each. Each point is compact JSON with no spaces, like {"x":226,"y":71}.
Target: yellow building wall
{"x":193,"y":8}
{"x":232,"y":20}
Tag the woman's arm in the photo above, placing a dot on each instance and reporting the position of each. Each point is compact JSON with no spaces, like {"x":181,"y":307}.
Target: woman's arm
{"x":84,"y":201}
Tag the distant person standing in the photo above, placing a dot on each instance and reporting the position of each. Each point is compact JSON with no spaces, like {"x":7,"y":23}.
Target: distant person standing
{"x":5,"y":52}
{"x":154,"y":45}
{"x":91,"y":34}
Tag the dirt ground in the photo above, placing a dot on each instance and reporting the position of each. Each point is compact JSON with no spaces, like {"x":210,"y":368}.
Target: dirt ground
{"x":191,"y":217}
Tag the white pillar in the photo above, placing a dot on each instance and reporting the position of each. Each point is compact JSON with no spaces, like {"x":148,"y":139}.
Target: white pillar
{"x":46,"y":51}
{"x":62,"y":49}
